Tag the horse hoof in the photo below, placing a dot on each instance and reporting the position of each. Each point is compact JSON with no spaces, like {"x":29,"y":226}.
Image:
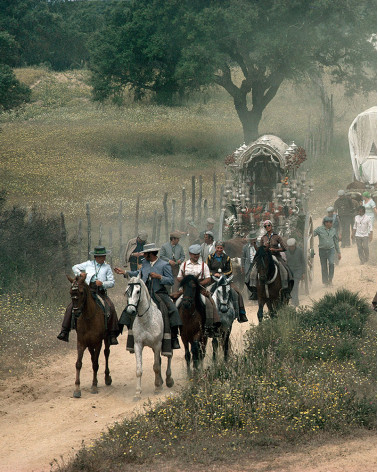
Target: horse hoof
{"x":137,"y":398}
{"x":94,"y":390}
{"x":170,"y":383}
{"x":77,"y":394}
{"x":108,"y":380}
{"x":158,"y":390}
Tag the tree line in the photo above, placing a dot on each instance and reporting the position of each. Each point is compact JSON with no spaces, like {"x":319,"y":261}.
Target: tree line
{"x":166,"y":49}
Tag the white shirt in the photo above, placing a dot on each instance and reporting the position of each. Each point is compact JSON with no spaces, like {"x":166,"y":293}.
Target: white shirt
{"x":362,"y":225}
{"x":194,"y":268}
{"x":95,"y":271}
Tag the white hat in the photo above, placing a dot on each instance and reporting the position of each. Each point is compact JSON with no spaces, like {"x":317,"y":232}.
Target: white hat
{"x":291,"y":242}
{"x":340,"y":193}
{"x":329,"y":209}
{"x":210,"y":233}
{"x":195,"y":249}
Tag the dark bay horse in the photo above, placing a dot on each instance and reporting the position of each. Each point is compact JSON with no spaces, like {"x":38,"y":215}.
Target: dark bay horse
{"x":193,"y":314}
{"x":268,"y":283}
{"x":90,"y":329}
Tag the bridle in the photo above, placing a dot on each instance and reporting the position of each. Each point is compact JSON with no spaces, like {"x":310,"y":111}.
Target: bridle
{"x":75,"y":291}
{"x":129,"y":292}
{"x":225,"y":300}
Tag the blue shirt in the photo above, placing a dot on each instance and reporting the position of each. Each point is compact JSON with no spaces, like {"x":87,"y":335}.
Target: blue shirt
{"x":160,"y":267}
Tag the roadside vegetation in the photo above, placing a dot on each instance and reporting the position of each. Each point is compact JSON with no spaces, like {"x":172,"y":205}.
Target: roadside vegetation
{"x":306,"y":373}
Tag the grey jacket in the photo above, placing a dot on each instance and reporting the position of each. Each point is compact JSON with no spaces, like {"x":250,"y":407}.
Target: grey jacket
{"x":172,"y":253}
{"x":160,"y":267}
{"x":246,"y":257}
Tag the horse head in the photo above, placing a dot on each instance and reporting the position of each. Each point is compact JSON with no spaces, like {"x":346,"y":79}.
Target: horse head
{"x":136,"y":292}
{"x":222,"y":293}
{"x":264,"y":264}
{"x":78,"y":292}
{"x":191,"y":287}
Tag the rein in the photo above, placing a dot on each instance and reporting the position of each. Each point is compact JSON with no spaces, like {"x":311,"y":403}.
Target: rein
{"x":75,"y":288}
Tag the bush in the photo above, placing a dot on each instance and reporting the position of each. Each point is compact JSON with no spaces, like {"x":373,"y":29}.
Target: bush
{"x":12,"y":92}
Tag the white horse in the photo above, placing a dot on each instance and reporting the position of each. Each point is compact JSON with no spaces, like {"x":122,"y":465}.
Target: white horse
{"x":148,"y":330}
{"x":223,"y":299}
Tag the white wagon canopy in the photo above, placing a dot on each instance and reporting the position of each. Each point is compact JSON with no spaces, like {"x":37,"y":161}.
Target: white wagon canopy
{"x":363,"y":146}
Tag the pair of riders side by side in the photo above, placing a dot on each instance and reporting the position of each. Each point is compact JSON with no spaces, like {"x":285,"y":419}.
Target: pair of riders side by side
{"x":275,"y":244}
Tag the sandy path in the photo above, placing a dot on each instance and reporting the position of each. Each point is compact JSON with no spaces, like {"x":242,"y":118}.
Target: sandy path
{"x":40,"y":420}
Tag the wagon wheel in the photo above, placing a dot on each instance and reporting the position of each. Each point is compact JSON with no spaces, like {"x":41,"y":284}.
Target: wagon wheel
{"x":308,"y":251}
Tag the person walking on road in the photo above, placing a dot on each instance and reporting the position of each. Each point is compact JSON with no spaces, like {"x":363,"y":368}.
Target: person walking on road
{"x":328,"y":247}
{"x":296,"y":262}
{"x":345,"y":209}
{"x":363,"y":234}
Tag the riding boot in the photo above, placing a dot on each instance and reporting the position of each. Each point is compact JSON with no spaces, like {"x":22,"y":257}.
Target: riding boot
{"x":64,"y":335}
{"x":253,"y":295}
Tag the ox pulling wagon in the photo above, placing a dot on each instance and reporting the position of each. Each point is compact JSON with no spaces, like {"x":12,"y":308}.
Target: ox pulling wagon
{"x":264,"y":181}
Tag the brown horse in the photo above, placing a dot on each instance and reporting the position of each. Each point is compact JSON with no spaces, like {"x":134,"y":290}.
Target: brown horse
{"x":268,"y":283}
{"x":90,"y":329}
{"x":192,"y":313}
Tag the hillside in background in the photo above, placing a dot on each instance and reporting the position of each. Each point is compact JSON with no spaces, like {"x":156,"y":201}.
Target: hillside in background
{"x":62,"y":150}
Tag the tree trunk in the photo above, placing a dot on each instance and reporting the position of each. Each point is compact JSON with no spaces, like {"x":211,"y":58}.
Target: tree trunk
{"x":250,"y":120}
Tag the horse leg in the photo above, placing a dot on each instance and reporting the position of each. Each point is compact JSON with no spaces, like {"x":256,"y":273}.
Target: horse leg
{"x":157,"y":369}
{"x":202,"y":349}
{"x":260,"y":312}
{"x":195,"y":354}
{"x":215,"y":348}
{"x":95,"y":353}
{"x":168,"y":375}
{"x":272,"y":309}
{"x":138,"y":357}
{"x":187,"y":355}
{"x":226,"y":342}
{"x":79,"y":363}
{"x":108,"y":379}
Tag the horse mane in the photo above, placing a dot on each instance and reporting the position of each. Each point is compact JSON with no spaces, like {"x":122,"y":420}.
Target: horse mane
{"x":261,"y":254}
{"x":197,"y":299}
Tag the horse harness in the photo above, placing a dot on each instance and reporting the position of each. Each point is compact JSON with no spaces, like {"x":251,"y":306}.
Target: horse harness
{"x":269,"y":282}
{"x":129,"y":292}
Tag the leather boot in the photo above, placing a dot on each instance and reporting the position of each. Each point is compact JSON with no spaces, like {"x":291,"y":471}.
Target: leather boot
{"x":174,"y":338}
{"x":63,"y":335}
{"x":253,"y":295}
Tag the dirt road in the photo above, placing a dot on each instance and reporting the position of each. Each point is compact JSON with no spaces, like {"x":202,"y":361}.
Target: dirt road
{"x":40,"y":420}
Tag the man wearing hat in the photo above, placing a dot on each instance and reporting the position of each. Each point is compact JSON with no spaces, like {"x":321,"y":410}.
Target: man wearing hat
{"x":134,"y":251}
{"x":328,"y":246}
{"x":210,"y":222}
{"x":156,"y":273}
{"x":173,"y":253}
{"x":248,"y":253}
{"x":197,"y":267}
{"x":208,"y":246}
{"x":345,"y":209}
{"x":99,"y":277}
{"x":297,"y":264}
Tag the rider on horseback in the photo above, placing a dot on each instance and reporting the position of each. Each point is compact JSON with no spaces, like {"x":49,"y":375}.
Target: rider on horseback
{"x":276,"y":245}
{"x":99,"y":277}
{"x":220,"y":264}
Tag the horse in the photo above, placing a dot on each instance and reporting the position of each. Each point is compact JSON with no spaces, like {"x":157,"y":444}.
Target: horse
{"x":148,"y":330}
{"x":222,"y":297}
{"x":90,"y":329}
{"x":269,"y":283}
{"x":193,"y":313}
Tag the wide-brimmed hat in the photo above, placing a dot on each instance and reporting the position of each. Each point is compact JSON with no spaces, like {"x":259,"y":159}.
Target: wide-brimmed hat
{"x":195,"y":249}
{"x":150,"y":247}
{"x":99,"y":251}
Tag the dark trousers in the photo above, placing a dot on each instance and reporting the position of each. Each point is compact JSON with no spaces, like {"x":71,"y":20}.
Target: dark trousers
{"x":327,"y":262}
{"x":112,"y":320}
{"x":346,"y":223}
{"x":240,"y":298}
{"x":173,"y":314}
{"x":363,"y":248}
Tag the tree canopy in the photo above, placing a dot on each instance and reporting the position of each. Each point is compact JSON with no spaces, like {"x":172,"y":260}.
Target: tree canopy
{"x":177,"y":46}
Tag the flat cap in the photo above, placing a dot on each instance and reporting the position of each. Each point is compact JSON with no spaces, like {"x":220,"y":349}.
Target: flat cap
{"x":195,"y":249}
{"x":210,"y":220}
{"x":327,"y":219}
{"x":175,"y":234}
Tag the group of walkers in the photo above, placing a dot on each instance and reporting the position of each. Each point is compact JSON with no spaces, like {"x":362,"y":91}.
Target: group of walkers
{"x":207,"y":260}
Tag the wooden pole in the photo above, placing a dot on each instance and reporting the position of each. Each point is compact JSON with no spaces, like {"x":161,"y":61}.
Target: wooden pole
{"x":79,"y":239}
{"x":214,"y":194}
{"x":136,"y":229}
{"x":183,"y":209}
{"x":205,"y":210}
{"x":199,"y":206}
{"x":154,"y":224}
{"x":193,"y":197}
{"x":89,"y":230}
{"x":64,"y":244}
{"x":100,"y":235}
{"x":120,"y":231}
{"x":159,"y":220}
{"x":111,"y":246}
{"x":173,"y":219}
{"x":165,"y":207}
{"x":220,"y":201}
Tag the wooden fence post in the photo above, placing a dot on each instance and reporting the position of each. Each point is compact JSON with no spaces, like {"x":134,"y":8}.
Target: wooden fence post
{"x":100,"y":235}
{"x":111,"y":246}
{"x":205,"y":209}
{"x":79,"y":239}
{"x":199,"y":206}
{"x":120,"y":230}
{"x":173,"y":220}
{"x":136,"y":229}
{"x":64,"y":243}
{"x":214,"y":194}
{"x":89,"y":230}
{"x":159,"y":220}
{"x":220,"y":201}
{"x":154,"y":225}
{"x":193,"y":197}
{"x":166,"y":215}
{"x":183,"y":209}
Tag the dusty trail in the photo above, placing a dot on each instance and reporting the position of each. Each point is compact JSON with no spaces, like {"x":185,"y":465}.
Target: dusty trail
{"x":40,"y":420}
